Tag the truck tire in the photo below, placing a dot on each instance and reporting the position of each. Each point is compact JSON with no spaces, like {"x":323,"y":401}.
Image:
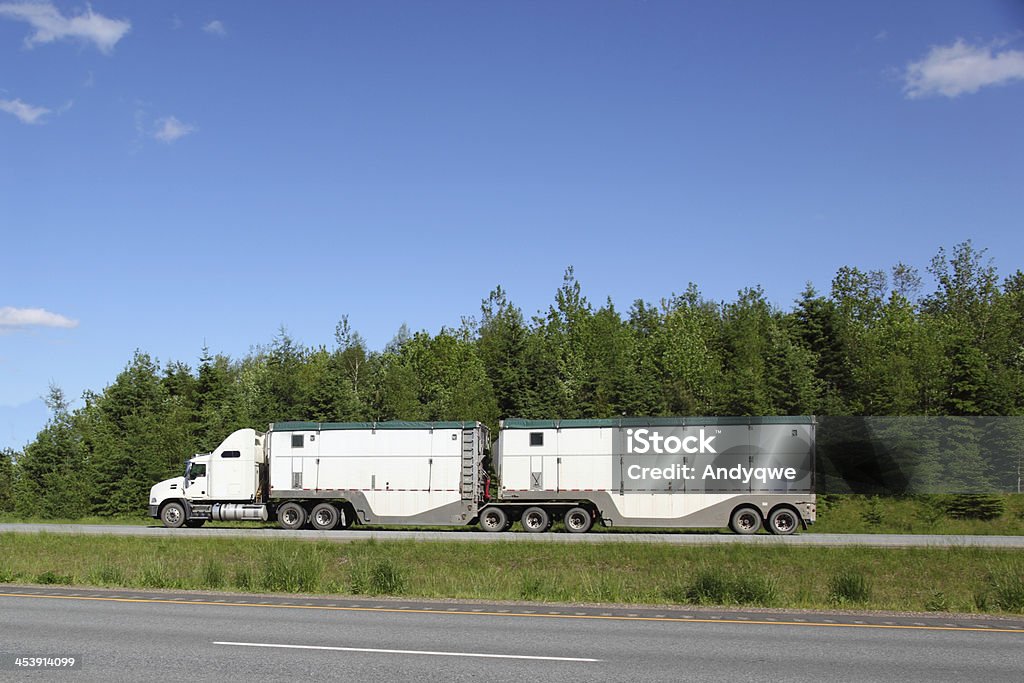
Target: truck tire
{"x":195,"y":523}
{"x":745,"y":521}
{"x":783,"y":521}
{"x":173,"y":515}
{"x":535,"y":520}
{"x":578,"y":520}
{"x":324,"y":517}
{"x":291,"y":516}
{"x":493,"y":520}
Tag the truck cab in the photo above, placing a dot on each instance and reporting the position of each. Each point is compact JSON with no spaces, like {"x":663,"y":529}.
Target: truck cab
{"x":214,"y":484}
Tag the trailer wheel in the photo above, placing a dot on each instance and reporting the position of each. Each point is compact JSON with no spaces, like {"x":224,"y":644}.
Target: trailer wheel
{"x":493,"y":519}
{"x":173,"y":515}
{"x":291,"y":516}
{"x":535,"y":520}
{"x":783,"y":521}
{"x":578,"y":520}
{"x":324,"y":517}
{"x":745,"y":521}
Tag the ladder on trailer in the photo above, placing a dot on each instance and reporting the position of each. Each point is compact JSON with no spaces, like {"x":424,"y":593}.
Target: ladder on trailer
{"x":469,"y":484}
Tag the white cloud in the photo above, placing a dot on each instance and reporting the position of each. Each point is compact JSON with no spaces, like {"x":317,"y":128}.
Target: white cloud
{"x":169,"y":129}
{"x":51,"y":25}
{"x":215,"y":27}
{"x":16,"y":318}
{"x":953,"y":70}
{"x":26,"y":113}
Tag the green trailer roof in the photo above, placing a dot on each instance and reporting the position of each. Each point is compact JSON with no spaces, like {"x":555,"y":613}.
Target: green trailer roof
{"x":390,"y":424}
{"x":517,"y":423}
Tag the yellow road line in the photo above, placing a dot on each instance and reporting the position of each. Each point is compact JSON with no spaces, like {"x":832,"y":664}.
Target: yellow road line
{"x":694,"y":620}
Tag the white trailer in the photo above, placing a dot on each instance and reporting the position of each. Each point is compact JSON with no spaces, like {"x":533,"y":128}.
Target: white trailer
{"x":744,"y":472}
{"x":333,"y":474}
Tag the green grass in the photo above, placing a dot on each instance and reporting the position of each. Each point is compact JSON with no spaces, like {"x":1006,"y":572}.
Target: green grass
{"x":913,"y":579}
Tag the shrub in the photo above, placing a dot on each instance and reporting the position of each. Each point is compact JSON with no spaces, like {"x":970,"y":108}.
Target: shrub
{"x":243,"y":578}
{"x":291,"y":569}
{"x":531,"y":587}
{"x":383,"y":577}
{"x":848,"y":586}
{"x":153,"y":576}
{"x":937,"y":602}
{"x":712,"y":586}
{"x":1008,"y":590}
{"x":213,"y":574}
{"x":49,"y":578}
{"x":975,"y":506}
{"x":873,"y":515}
{"x":386,"y":578}
{"x":108,"y":575}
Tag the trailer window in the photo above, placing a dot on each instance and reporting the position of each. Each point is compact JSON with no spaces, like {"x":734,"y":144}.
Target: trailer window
{"x":536,"y":438}
{"x":297,"y":440}
{"x":231,"y":454}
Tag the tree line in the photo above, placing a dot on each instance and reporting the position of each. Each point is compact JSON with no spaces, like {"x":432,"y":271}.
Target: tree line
{"x":874,"y":344}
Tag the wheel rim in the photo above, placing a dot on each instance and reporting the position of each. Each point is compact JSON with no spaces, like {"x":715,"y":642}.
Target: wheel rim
{"x":785,"y":522}
{"x":576,"y":521}
{"x":323,"y":517}
{"x":290,"y":516}
{"x":492,"y":520}
{"x":747,"y":522}
{"x":532,"y":521}
{"x":172,"y":515}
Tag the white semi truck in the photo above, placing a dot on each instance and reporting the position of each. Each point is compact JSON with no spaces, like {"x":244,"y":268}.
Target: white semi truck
{"x":744,"y":472}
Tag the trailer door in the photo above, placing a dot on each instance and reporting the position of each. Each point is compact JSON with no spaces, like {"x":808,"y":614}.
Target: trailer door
{"x":305,"y":451}
{"x":541,"y":444}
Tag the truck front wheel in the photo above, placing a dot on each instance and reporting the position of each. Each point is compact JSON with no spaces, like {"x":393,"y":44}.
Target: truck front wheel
{"x":291,"y":516}
{"x":173,"y":515}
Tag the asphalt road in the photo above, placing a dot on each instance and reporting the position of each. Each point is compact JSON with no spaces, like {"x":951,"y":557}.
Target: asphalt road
{"x":805,"y":539}
{"x":130,"y":636}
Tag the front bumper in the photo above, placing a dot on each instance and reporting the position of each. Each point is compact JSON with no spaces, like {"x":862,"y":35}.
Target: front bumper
{"x":154,"y":511}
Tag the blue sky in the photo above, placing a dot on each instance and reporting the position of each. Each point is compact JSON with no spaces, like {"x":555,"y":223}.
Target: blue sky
{"x":181,"y":174}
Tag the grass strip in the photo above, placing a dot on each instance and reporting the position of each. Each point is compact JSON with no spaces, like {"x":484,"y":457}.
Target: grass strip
{"x":906,"y":579}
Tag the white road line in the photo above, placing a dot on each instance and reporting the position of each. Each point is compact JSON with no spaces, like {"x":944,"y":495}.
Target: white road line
{"x":409,"y":652}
